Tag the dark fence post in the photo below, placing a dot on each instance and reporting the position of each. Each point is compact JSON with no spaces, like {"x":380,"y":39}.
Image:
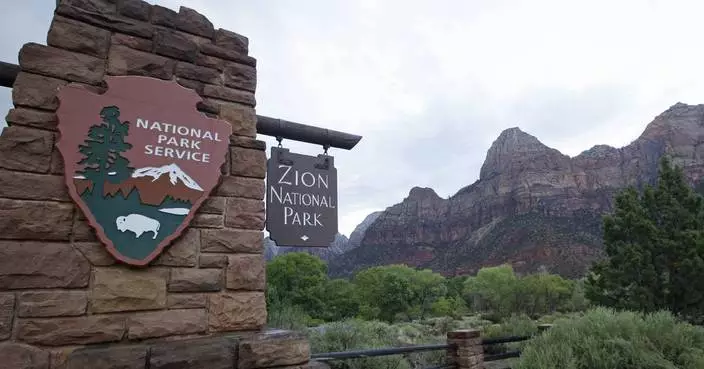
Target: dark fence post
{"x":466,"y":350}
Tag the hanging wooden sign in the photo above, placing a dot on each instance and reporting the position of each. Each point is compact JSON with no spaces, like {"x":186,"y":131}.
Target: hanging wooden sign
{"x":301,"y":204}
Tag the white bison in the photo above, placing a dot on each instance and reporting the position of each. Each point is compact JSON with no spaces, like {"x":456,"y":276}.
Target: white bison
{"x":138,"y":224}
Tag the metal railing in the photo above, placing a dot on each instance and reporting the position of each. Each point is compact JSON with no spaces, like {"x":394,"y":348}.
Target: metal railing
{"x":389,"y":351}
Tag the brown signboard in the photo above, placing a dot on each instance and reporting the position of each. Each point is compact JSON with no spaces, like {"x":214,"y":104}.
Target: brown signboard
{"x":139,"y":161}
{"x":301,"y":204}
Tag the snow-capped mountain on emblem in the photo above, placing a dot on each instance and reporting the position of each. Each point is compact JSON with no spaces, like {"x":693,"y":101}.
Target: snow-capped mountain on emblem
{"x":175,"y":174}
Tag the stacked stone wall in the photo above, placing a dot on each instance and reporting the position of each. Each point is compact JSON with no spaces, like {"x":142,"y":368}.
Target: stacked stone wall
{"x":61,"y":293}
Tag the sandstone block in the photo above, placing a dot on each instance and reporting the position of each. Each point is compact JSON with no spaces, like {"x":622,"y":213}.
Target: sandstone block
{"x":232,"y":241}
{"x":17,"y":355}
{"x":113,"y":357}
{"x":71,"y":331}
{"x":164,"y":16}
{"x":122,"y":289}
{"x":241,"y":76}
{"x":210,"y":106}
{"x":207,"y":221}
{"x":32,"y":118}
{"x":196,"y":86}
{"x":183,"y":251}
{"x":35,"y":220}
{"x":248,"y":143}
{"x":166,"y":323}
{"x":57,"y":163}
{"x":245,"y":213}
{"x":235,"y":186}
{"x":212,"y":261}
{"x":79,"y":37}
{"x":242,"y":118}
{"x":26,"y":149}
{"x":137,"y":9}
{"x":232,"y":41}
{"x":213,"y":205}
{"x":96,"y":6}
{"x":246,"y":272}
{"x":33,"y":90}
{"x":7,"y":313}
{"x":211,"y":353}
{"x":52,"y":303}
{"x":247,"y":162}
{"x":60,"y":63}
{"x":126,"y":61}
{"x":186,"y":300}
{"x":105,"y":20}
{"x":210,"y":62}
{"x":195,"y":280}
{"x":198,"y":73}
{"x":229,"y":94}
{"x":133,"y":42}
{"x":189,"y":20}
{"x":273,"y":349}
{"x":175,"y":45}
{"x":227,"y":54}
{"x":83,"y":232}
{"x":30,"y":186}
{"x":95,"y":252}
{"x":29,"y":264}
{"x":236,"y":311}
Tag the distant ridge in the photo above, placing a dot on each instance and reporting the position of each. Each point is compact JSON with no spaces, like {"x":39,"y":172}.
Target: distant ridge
{"x":532,"y":206}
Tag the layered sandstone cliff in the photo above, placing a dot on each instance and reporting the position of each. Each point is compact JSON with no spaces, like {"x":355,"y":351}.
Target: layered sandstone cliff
{"x":532,"y":205}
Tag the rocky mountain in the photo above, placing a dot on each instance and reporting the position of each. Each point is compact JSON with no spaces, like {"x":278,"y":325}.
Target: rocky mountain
{"x":339,"y":246}
{"x":532,"y":206}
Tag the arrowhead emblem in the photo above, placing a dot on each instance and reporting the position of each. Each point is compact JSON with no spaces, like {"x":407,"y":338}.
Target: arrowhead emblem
{"x":140,"y":159}
{"x":304,"y":238}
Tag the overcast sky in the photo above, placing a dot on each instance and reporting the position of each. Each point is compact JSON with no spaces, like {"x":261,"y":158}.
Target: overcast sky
{"x":430,"y":84}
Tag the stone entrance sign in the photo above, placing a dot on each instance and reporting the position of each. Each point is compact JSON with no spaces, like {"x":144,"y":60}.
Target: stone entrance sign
{"x":301,"y":206}
{"x":139,"y":160}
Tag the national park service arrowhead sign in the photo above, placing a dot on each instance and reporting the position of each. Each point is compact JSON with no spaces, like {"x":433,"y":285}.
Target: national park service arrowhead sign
{"x":139,"y":160}
{"x":301,"y":204}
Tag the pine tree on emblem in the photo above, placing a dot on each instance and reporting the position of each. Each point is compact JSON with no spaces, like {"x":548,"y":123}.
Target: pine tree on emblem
{"x":103,"y":148}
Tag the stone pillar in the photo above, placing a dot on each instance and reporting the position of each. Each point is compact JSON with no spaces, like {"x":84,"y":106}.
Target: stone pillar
{"x":467,"y":351}
{"x":60,"y":291}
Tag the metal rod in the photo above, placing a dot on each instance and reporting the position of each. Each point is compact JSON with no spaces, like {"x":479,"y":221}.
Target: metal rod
{"x":305,"y":133}
{"x":494,"y":341}
{"x":265,"y":125}
{"x":8,"y":73}
{"x":377,"y":352}
{"x":505,"y":355}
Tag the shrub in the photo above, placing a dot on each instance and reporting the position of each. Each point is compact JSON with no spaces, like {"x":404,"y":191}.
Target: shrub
{"x":604,"y":338}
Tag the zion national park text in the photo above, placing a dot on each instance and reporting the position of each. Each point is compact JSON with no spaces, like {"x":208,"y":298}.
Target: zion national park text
{"x":301,"y":181}
{"x":178,"y":142}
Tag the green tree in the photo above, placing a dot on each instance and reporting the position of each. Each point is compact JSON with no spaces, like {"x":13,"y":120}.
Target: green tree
{"x":654,"y":243}
{"x":297,"y":278}
{"x":394,"y":292}
{"x":341,"y":300}
{"x":492,"y":289}
{"x":103,"y":148}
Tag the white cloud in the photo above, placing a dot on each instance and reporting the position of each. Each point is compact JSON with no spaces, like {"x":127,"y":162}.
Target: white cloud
{"x":430,"y":84}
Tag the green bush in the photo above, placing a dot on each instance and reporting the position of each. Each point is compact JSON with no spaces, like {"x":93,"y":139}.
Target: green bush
{"x":604,"y":338}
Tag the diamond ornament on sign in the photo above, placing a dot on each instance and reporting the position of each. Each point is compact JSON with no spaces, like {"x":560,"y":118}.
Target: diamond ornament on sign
{"x":139,"y":161}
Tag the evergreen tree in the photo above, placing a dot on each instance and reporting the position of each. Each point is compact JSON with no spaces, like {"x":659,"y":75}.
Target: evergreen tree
{"x":654,"y":242}
{"x":103,"y":148}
